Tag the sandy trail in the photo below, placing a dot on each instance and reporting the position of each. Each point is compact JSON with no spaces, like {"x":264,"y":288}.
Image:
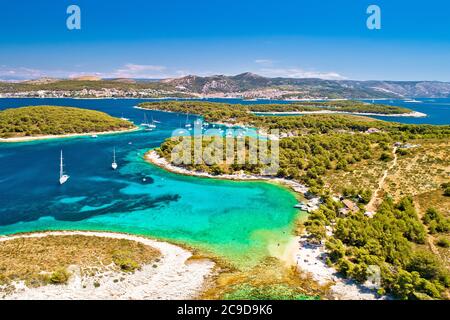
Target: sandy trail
{"x":371,"y":206}
{"x":174,"y":277}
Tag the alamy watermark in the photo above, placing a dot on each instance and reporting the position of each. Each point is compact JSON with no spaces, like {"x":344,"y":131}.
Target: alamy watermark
{"x":73,"y":21}
{"x":231,"y":146}
{"x":374,"y":20}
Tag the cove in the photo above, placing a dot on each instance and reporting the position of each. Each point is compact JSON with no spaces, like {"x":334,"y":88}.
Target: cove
{"x":237,"y":221}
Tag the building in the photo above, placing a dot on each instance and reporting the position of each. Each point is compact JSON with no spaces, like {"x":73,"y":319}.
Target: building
{"x":350,"y":205}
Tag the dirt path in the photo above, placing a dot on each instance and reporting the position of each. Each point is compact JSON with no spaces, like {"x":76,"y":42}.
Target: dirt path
{"x":374,"y":202}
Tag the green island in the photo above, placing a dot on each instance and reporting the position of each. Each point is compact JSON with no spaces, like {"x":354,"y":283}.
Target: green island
{"x":233,"y":113}
{"x":349,"y":106}
{"x":383,"y":189}
{"x":52,"y":120}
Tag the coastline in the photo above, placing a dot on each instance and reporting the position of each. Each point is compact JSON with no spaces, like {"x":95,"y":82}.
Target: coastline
{"x":60,"y":136}
{"x":306,"y":257}
{"x":414,"y":114}
{"x":176,"y":276}
{"x":153,"y":158}
{"x":311,"y":259}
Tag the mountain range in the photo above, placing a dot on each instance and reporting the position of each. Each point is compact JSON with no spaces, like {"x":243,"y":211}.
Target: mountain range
{"x":312,"y":87}
{"x":245,"y":85}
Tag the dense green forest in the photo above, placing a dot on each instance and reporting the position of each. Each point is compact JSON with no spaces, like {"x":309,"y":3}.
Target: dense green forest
{"x":298,"y":125}
{"x":52,"y":120}
{"x":318,"y":143}
{"x":211,"y":110}
{"x":393,"y":240}
{"x":305,"y":158}
{"x":341,"y":105}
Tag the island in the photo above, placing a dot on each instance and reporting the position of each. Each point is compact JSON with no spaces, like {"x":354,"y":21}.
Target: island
{"x":97,"y":265}
{"x":45,"y":122}
{"x":376,"y":193}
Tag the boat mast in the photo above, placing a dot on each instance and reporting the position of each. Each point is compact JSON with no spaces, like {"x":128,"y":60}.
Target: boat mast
{"x":61,"y":165}
{"x":114,"y":155}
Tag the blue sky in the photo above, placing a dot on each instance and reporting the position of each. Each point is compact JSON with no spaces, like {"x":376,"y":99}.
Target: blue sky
{"x":290,"y":38}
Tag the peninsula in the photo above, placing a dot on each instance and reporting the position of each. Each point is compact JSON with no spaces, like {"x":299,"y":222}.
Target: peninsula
{"x":354,"y":169}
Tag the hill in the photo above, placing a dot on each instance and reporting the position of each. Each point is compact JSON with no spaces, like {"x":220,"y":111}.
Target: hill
{"x":245,"y":85}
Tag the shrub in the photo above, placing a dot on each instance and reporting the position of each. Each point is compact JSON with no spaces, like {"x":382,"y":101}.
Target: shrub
{"x":59,"y":276}
{"x":385,"y":156}
{"x":444,"y":243}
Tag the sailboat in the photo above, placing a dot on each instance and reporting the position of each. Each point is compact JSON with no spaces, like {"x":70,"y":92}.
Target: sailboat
{"x":62,"y":177}
{"x":152,"y":124}
{"x":146,"y":124}
{"x":114,"y":164}
{"x":187,"y":125}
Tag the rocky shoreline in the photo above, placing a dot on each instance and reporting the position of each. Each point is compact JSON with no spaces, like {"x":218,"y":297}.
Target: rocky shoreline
{"x":308,"y":257}
{"x":60,"y":136}
{"x":174,"y":277}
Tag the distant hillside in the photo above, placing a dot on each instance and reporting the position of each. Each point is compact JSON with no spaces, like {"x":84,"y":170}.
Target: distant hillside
{"x":246,"y":85}
{"x":87,"y":78}
{"x":314,"y":87}
{"x":51,"y":120}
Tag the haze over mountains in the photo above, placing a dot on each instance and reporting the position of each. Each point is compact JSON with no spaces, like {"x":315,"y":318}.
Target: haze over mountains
{"x":245,"y":85}
{"x":342,"y":88}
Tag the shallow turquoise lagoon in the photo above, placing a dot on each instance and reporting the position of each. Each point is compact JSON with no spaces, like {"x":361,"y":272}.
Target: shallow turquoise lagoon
{"x":234,"y":220}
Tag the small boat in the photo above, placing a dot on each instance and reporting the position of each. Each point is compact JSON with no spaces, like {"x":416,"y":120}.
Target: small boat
{"x":187,"y":125}
{"x":145,"y":123}
{"x":152,"y":124}
{"x":62,"y":177}
{"x":114,"y":163}
{"x":94,"y":136}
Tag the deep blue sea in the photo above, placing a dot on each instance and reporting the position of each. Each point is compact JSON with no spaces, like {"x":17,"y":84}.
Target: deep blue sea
{"x":237,"y":220}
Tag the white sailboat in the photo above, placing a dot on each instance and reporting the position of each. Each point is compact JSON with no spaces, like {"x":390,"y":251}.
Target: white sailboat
{"x":187,"y":125}
{"x":148,"y":127}
{"x":145,"y":123}
{"x":152,"y":124}
{"x":62,"y":177}
{"x":114,"y":164}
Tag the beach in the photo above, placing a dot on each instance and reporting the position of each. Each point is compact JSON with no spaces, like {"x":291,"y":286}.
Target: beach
{"x":153,"y":157}
{"x":414,"y":114}
{"x":175,"y":276}
{"x":309,"y":258}
{"x":59,"y":136}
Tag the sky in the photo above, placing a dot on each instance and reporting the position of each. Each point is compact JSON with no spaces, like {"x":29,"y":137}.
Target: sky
{"x":284,"y":38}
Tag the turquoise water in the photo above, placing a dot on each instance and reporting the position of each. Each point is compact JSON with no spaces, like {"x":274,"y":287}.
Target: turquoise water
{"x":235,"y":220}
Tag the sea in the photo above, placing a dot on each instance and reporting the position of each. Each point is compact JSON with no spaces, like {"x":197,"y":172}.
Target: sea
{"x":237,"y":221}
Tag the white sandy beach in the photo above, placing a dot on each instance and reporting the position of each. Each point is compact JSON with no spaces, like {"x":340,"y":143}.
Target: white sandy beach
{"x":414,"y":114}
{"x":153,"y":157}
{"x":309,"y":258}
{"x":59,"y":136}
{"x":174,"y":277}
